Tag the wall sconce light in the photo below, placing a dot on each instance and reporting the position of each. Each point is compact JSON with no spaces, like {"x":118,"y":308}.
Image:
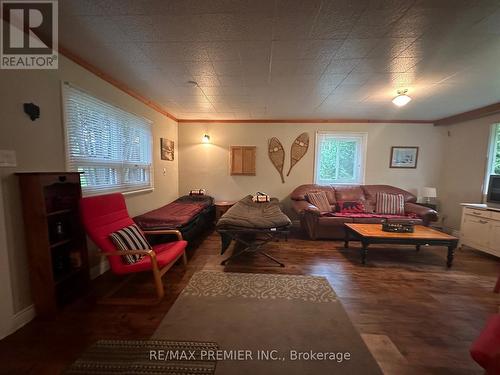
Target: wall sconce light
{"x":205,"y":139}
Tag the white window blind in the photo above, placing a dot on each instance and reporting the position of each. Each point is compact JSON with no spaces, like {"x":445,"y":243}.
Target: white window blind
{"x":340,"y":158}
{"x":112,"y":147}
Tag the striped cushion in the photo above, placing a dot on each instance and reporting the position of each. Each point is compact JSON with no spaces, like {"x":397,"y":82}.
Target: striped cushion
{"x":391,"y":204}
{"x":130,"y":238}
{"x":320,"y":200}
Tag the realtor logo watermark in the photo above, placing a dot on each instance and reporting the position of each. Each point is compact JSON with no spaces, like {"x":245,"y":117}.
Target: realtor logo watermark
{"x":29,"y":35}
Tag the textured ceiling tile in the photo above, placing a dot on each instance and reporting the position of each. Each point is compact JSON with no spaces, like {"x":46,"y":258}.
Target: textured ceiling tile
{"x":310,"y":7}
{"x":391,"y":47}
{"x":257,"y":81}
{"x":256,"y":27}
{"x":227,"y":80}
{"x":133,"y":7}
{"x":306,"y":49}
{"x":82,"y":8}
{"x":219,"y":6}
{"x":402,"y":64}
{"x":223,"y":51}
{"x":314,"y":67}
{"x":212,"y":90}
{"x":373,"y":65}
{"x":324,"y":28}
{"x":342,"y":66}
{"x":173,"y":68}
{"x":206,"y":80}
{"x":137,"y":28}
{"x":93,"y":27}
{"x":198,"y":68}
{"x":357,"y":78}
{"x":176,"y":51}
{"x":231,"y":67}
{"x":255,"y":50}
{"x":292,"y":26}
{"x":489,"y":25}
{"x":356,"y":48}
{"x":444,"y":52}
{"x":234,"y":90}
{"x":256,"y":67}
{"x":329,"y":82}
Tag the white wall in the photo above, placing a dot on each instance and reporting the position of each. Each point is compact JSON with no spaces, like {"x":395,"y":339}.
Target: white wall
{"x":6,"y":307}
{"x":40,"y":147}
{"x":464,"y":166}
{"x":207,"y":165}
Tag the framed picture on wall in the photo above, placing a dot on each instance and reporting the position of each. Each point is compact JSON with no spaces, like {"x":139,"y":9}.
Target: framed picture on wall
{"x":167,"y":149}
{"x":404,"y":157}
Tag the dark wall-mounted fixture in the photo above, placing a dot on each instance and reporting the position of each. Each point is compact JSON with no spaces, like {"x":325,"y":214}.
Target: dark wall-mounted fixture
{"x":32,"y":110}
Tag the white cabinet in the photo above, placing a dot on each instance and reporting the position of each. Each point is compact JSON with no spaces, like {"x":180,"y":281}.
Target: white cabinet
{"x":495,"y":237}
{"x":480,"y":228}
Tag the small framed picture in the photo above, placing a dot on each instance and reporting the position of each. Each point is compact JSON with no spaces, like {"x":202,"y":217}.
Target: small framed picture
{"x":167,"y":149}
{"x":404,"y":157}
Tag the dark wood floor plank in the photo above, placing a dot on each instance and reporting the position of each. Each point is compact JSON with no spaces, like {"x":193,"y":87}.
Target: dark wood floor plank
{"x":419,"y":317}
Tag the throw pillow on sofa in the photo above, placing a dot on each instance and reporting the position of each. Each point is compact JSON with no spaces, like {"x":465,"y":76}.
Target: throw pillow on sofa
{"x":390,"y":204}
{"x":350,"y":207}
{"x":320,"y":200}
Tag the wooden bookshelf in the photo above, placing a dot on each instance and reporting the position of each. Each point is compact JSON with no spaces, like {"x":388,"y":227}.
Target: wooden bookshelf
{"x":55,"y":240}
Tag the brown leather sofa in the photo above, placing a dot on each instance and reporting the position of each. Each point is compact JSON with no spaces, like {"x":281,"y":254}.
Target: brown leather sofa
{"x":321,"y":226}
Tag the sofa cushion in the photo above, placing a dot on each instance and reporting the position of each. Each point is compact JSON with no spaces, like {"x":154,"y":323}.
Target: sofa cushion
{"x":392,"y":204}
{"x":300,"y":192}
{"x":334,"y":221}
{"x":346,"y":207}
{"x":320,"y":200}
{"x":372,"y":190}
{"x":349,"y":193}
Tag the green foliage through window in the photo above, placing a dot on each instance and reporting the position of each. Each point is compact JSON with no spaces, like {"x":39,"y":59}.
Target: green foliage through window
{"x":338,"y":159}
{"x":496,"y":150}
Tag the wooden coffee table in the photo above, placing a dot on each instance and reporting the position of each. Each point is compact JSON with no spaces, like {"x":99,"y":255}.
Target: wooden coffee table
{"x":373,"y":234}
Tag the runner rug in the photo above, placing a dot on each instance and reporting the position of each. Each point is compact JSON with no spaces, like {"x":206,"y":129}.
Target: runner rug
{"x":268,"y":324}
{"x":152,"y":357}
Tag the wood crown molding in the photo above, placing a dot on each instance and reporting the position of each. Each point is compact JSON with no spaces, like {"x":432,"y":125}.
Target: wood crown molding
{"x":119,"y":85}
{"x":307,"y":121}
{"x":469,"y":115}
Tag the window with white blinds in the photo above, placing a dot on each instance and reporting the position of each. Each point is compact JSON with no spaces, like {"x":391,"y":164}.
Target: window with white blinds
{"x":112,"y":147}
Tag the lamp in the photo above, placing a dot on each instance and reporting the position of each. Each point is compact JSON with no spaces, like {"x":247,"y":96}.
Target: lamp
{"x":428,"y":193}
{"x":205,"y":138}
{"x":402,"y":99}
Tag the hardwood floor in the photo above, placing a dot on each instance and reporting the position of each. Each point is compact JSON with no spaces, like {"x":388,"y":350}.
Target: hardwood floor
{"x":416,"y":316}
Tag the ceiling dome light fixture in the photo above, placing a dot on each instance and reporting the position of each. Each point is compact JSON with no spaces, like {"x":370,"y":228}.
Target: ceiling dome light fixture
{"x":402,"y":99}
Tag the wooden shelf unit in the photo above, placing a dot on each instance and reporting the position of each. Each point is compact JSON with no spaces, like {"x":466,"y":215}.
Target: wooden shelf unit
{"x":55,"y":239}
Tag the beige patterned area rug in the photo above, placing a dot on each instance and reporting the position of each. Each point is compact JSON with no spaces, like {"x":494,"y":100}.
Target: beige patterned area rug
{"x":268,"y":324}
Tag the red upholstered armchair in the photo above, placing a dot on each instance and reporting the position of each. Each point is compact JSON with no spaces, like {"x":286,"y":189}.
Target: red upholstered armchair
{"x":105,"y":214}
{"x":485,"y":350}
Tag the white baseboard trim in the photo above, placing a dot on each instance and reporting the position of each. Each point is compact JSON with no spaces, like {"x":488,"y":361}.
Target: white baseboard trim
{"x":23,"y":317}
{"x":99,"y":269}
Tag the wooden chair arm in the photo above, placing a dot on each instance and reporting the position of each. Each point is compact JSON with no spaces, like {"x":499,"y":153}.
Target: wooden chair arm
{"x":149,"y":253}
{"x":165,"y":231}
